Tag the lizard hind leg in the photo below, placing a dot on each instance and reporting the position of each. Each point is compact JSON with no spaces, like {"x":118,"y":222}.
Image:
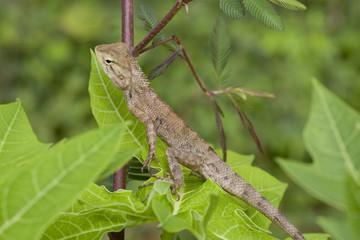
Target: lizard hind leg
{"x":176,"y":173}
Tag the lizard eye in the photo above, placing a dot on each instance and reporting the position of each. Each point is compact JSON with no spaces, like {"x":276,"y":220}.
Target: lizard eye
{"x":108,"y":61}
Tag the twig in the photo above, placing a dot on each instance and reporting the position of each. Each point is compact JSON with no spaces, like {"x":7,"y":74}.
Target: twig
{"x":152,"y":34}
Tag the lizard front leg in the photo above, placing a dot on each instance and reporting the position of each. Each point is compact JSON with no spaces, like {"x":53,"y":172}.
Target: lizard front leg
{"x":151,"y":140}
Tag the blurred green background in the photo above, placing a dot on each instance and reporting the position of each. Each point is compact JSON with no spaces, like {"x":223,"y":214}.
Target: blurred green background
{"x":45,"y":61}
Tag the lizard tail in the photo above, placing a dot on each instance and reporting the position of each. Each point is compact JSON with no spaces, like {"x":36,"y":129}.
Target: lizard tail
{"x":239,"y":187}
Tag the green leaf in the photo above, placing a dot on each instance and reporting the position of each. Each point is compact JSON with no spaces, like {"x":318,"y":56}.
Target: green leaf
{"x":353,"y":207}
{"x":336,"y":227}
{"x":332,"y":137}
{"x":265,"y":13}
{"x":232,"y":8}
{"x":37,"y":191}
{"x":220,"y":49}
{"x":314,"y":236}
{"x":109,"y":107}
{"x":161,"y":68}
{"x":147,"y":16}
{"x":193,"y":213}
{"x":290,"y":4}
{"x":18,"y":142}
{"x":168,"y":236}
{"x":121,"y":158}
{"x":98,"y":211}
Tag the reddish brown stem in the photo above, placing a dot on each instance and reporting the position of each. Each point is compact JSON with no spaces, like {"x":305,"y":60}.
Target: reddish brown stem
{"x":203,"y":88}
{"x":128,"y":22}
{"x":152,"y":34}
{"x":145,"y":50}
{"x":177,"y":40}
{"x":119,"y":181}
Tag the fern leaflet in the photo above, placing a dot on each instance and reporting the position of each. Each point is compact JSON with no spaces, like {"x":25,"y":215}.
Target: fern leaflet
{"x":220,"y":49}
{"x":232,"y":8}
{"x":265,"y":13}
{"x":290,"y":4}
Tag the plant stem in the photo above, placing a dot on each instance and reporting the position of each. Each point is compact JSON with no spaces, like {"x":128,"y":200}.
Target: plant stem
{"x":143,"y":43}
{"x":119,"y":181}
{"x":128,"y":22}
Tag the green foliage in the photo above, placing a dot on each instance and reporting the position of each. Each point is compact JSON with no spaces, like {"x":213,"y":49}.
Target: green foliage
{"x":49,"y":70}
{"x":147,"y":16}
{"x":336,"y":227}
{"x":232,"y":8}
{"x":265,"y":13}
{"x":220,"y":49}
{"x":332,"y":137}
{"x":98,"y":211}
{"x":314,"y":236}
{"x":204,"y":209}
{"x":290,"y":4}
{"x":18,"y":142}
{"x":353,"y":206}
{"x":46,"y":181}
{"x":260,"y":9}
{"x":161,"y":68}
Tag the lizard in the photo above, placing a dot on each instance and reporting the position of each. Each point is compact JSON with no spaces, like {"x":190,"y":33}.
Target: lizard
{"x":185,"y":146}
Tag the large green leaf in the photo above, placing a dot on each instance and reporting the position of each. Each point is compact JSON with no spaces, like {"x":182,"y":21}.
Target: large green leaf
{"x":265,"y":13}
{"x":109,"y":107}
{"x":230,"y":212}
{"x":48,"y":183}
{"x":98,"y":211}
{"x":18,"y":142}
{"x":204,"y":208}
{"x":336,"y":227}
{"x":332,"y":138}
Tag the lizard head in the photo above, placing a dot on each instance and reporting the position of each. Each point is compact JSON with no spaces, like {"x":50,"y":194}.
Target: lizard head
{"x":115,"y":59}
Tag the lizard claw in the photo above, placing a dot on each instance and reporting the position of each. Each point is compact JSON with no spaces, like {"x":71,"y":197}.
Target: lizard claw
{"x":148,"y":160}
{"x":165,"y":178}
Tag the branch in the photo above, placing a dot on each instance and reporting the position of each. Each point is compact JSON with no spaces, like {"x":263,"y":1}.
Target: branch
{"x":153,"y":33}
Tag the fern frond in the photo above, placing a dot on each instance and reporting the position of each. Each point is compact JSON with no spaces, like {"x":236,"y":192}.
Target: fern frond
{"x":290,"y":4}
{"x":265,"y":13}
{"x":220,"y":48}
{"x":147,"y":16}
{"x":232,"y":8}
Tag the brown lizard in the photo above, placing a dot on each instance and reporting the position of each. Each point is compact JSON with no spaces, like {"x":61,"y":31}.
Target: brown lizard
{"x":184,"y":145}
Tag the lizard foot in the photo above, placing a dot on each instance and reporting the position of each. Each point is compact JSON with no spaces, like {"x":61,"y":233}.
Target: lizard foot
{"x":166,"y":178}
{"x":148,"y":160}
